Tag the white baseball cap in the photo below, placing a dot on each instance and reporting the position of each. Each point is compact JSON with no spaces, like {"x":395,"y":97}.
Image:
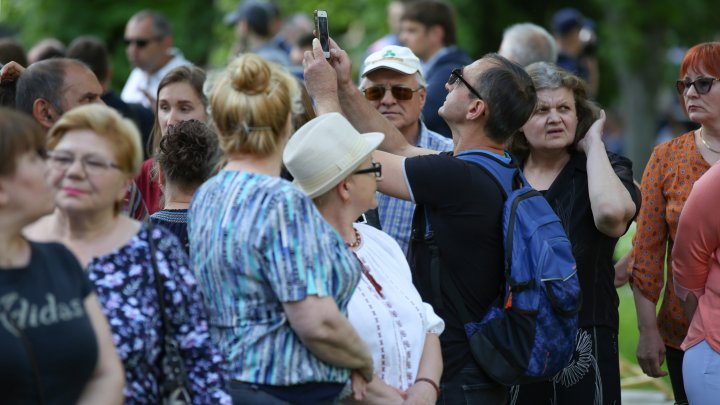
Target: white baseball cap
{"x":398,"y":58}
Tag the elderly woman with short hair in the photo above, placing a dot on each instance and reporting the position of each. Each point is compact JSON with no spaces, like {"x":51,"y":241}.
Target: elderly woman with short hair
{"x":332,"y":163}
{"x":562,"y":154}
{"x":94,"y":154}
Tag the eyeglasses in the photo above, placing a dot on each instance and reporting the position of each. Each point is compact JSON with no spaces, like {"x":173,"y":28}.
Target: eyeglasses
{"x":456,"y":74}
{"x":376,"y":169}
{"x":91,"y":164}
{"x":140,"y":43}
{"x":401,"y":93}
{"x":702,"y":85}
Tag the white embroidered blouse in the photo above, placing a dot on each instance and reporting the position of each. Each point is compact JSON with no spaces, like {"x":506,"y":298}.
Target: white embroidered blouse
{"x":394,"y":321}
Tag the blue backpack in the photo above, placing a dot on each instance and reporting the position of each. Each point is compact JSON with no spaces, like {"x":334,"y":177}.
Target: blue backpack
{"x":529,"y":334}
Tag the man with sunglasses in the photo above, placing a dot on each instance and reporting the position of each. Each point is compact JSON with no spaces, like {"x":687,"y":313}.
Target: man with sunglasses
{"x":392,"y":82}
{"x":457,"y":223}
{"x":148,"y":39}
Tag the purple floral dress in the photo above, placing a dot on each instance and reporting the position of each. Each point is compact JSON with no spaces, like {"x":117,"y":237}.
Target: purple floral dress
{"x":125,"y":284}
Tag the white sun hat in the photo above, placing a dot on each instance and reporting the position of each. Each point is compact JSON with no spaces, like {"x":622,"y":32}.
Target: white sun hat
{"x":326,"y":150}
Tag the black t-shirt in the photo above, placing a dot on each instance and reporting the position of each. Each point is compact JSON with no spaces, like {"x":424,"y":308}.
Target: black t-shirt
{"x":44,"y":302}
{"x":464,"y":204}
{"x":593,"y":250}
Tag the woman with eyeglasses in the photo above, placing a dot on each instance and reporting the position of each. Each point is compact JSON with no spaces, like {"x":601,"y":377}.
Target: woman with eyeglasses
{"x":276,"y":277}
{"x":55,"y":342}
{"x":94,"y":154}
{"x":672,"y":169}
{"x":561,"y":152}
{"x":332,"y":164}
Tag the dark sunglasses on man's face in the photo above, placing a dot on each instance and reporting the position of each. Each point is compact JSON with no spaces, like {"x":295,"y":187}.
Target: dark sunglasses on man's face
{"x":457,"y":74}
{"x":702,"y":85}
{"x":401,"y":93}
{"x":140,"y":43}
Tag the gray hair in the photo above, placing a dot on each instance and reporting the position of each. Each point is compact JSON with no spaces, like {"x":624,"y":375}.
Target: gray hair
{"x":44,"y":80}
{"x":549,"y":76}
{"x":160,"y":24}
{"x":418,"y":78}
{"x":527,"y":43}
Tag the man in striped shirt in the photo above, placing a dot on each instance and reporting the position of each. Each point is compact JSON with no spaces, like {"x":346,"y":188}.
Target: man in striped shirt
{"x":393,"y":83}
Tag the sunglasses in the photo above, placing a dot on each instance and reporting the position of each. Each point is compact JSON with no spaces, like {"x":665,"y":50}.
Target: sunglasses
{"x":702,"y":85}
{"x":457,"y":74}
{"x":401,"y":93}
{"x":376,"y":169}
{"x":140,"y":43}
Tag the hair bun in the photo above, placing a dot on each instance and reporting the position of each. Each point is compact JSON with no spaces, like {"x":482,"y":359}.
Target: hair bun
{"x":250,"y":75}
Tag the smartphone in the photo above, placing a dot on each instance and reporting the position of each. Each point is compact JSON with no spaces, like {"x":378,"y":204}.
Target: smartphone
{"x":321,"y":30}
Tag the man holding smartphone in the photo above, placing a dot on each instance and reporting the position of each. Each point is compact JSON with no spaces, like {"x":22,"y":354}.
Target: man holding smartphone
{"x":457,"y":224}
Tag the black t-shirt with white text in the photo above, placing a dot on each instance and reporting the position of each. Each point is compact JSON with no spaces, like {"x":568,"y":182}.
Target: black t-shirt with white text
{"x":42,"y":316}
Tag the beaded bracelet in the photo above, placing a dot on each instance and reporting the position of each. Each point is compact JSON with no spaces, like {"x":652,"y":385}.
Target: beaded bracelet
{"x":431,"y":382}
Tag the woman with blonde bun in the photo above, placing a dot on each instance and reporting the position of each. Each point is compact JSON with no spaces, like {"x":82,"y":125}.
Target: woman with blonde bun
{"x":276,"y":281}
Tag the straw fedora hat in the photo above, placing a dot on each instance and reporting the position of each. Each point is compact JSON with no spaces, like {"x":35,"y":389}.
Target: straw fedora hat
{"x":326,"y":150}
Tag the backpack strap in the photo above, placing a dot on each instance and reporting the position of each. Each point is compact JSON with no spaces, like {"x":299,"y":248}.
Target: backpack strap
{"x":507,"y":177}
{"x":435,"y":281}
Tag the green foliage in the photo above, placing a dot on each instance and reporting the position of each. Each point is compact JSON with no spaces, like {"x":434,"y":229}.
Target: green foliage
{"x":633,"y":37}
{"x":67,"y":19}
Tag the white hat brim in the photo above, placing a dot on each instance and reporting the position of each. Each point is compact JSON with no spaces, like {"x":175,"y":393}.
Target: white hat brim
{"x":389,"y":64}
{"x":373,"y":140}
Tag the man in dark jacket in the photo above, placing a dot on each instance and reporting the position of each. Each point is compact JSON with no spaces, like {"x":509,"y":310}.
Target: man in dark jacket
{"x":428,"y":28}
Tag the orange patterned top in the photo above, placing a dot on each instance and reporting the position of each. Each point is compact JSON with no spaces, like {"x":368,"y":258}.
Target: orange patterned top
{"x":673,"y":168}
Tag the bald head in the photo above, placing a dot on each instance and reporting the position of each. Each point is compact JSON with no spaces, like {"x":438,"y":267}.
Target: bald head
{"x":527,"y":43}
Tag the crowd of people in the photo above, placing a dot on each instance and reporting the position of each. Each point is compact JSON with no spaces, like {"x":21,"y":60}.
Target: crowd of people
{"x":270,"y":236}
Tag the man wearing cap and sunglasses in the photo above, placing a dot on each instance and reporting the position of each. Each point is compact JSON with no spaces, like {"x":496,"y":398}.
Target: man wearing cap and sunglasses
{"x":459,"y":204}
{"x":148,"y":39}
{"x":394,"y":85}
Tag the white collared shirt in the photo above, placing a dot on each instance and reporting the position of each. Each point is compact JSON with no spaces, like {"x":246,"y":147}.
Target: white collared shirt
{"x":140,"y":80}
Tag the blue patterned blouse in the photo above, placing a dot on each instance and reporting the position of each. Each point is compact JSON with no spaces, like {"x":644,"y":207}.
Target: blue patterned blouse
{"x":125,"y":284}
{"x":255,"y":242}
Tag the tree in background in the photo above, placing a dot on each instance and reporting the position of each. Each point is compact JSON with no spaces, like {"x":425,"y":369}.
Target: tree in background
{"x":634,"y":36}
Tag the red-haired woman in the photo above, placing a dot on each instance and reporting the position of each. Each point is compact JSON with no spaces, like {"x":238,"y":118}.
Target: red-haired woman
{"x":669,"y":176}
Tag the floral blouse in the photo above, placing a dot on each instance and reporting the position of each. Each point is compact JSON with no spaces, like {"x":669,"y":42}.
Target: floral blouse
{"x":672,"y":170}
{"x":125,"y":284}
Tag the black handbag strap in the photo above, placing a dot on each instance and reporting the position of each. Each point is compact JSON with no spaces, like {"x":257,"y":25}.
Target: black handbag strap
{"x":160,"y":289}
{"x":39,"y":393}
{"x":167,"y":330}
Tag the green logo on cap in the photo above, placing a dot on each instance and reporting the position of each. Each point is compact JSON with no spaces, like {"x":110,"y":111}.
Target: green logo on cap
{"x":389,"y":54}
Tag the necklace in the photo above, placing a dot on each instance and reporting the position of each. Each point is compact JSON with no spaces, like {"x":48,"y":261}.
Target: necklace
{"x":358,"y":239}
{"x":704,"y":142}
{"x":365,"y":271}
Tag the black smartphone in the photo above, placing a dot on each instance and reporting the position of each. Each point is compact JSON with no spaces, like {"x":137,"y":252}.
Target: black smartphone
{"x":321,"y":30}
